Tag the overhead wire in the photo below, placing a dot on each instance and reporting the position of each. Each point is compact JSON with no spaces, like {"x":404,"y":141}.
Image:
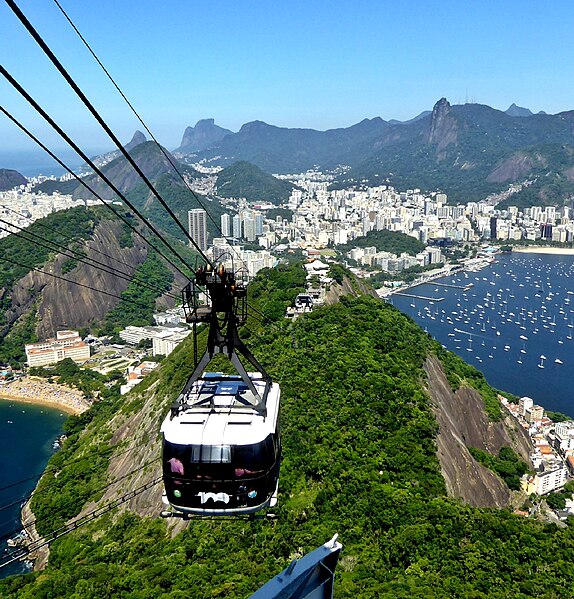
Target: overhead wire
{"x":166,"y":154}
{"x":135,"y":112}
{"x":75,"y":524}
{"x":65,"y":506}
{"x":74,"y":255}
{"x":88,"y":161}
{"x":125,"y":299}
{"x":47,"y":487}
{"x":39,"y":223}
{"x":50,"y":469}
{"x":62,"y":70}
{"x":40,"y":41}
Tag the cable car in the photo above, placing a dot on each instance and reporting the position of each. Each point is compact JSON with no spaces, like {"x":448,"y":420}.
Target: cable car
{"x":221,"y":457}
{"x":221,"y":448}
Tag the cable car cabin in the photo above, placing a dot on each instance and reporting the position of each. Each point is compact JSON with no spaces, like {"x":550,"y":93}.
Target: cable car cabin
{"x":220,"y":455}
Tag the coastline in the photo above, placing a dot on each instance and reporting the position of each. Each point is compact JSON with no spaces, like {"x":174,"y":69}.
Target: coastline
{"x":37,"y":391}
{"x":532,"y":249}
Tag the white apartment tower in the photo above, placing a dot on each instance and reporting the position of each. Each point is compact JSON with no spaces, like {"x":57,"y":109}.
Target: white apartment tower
{"x":237,"y":227}
{"x":197,"y":221}
{"x":226,"y":225}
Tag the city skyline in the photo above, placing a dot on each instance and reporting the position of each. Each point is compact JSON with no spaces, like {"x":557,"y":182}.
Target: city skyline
{"x":292,"y":66}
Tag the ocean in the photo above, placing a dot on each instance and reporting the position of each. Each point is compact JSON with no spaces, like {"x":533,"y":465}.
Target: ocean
{"x":27,"y":435}
{"x":513,"y":321}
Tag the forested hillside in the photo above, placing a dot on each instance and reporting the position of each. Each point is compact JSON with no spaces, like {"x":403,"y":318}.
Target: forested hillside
{"x":359,"y":460}
{"x":53,"y":269}
{"x":386,"y":241}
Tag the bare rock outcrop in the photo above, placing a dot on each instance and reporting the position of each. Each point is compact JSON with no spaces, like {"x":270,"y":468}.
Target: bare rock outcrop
{"x":463,"y":423}
{"x":348,"y":287}
{"x":517,"y":167}
{"x":64,"y":304}
{"x":443,"y":128}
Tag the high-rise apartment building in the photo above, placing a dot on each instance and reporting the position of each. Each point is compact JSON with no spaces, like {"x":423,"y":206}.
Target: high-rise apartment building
{"x":237,"y":227}
{"x":197,"y":221}
{"x":226,"y":225}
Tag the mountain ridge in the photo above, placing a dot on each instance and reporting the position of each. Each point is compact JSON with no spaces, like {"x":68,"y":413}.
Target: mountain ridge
{"x":453,"y":148}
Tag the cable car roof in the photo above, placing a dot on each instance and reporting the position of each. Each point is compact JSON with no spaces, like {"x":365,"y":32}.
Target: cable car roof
{"x":217,"y":411}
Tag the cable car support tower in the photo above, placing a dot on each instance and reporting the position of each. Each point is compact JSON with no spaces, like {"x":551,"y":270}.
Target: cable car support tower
{"x":224,"y":310}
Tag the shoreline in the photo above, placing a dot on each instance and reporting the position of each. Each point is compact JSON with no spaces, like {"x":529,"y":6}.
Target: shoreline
{"x":532,"y":249}
{"x":32,"y":390}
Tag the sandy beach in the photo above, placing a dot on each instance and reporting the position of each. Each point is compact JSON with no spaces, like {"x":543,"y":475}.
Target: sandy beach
{"x":38,"y":391}
{"x":533,"y":249}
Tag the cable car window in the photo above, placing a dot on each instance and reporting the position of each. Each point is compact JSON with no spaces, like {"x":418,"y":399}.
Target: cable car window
{"x":211,"y":454}
{"x":253,"y":459}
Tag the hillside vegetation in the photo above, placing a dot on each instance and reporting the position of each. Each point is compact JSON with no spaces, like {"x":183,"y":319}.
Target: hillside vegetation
{"x":359,"y":460}
{"x":394,"y":242}
{"x":245,"y":180}
{"x":67,"y":228}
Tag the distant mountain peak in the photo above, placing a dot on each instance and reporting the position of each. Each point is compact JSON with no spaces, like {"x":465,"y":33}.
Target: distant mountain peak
{"x":204,"y":135}
{"x":137,"y":139}
{"x":514,"y":110}
{"x":442,"y":129}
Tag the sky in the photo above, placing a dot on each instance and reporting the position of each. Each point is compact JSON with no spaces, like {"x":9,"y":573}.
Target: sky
{"x":315,"y":63}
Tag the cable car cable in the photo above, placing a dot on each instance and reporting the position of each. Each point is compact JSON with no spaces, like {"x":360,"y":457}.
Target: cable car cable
{"x":47,"y":487}
{"x":82,"y":182}
{"x":51,"y":469}
{"x":125,"y":299}
{"x":78,"y":256}
{"x":66,"y":505}
{"x":89,"y":517}
{"x":96,"y":170}
{"x":140,"y":119}
{"x":54,"y":60}
{"x":39,"y":223}
{"x":137,"y":115}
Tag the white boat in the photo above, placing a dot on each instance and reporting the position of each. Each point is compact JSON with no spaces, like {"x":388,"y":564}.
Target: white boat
{"x":558,"y":361}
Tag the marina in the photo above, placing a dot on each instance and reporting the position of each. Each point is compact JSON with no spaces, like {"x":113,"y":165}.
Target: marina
{"x":513,"y":320}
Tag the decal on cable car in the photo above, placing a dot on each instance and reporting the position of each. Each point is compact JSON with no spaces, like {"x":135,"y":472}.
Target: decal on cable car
{"x":215,"y":496}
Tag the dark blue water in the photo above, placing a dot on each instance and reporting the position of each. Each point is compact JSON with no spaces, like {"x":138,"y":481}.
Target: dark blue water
{"x":517,"y":317}
{"x":27,"y":434}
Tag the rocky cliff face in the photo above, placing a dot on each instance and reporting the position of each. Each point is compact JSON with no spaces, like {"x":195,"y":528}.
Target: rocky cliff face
{"x":443,"y":128}
{"x":463,"y":423}
{"x":516,"y":168}
{"x":204,"y":135}
{"x":63,"y":304}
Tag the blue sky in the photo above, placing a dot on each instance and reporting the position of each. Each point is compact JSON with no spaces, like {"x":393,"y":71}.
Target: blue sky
{"x":318,"y":64}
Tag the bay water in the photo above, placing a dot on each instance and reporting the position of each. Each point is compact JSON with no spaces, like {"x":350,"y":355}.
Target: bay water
{"x":513,"y":320}
{"x":27,"y":436}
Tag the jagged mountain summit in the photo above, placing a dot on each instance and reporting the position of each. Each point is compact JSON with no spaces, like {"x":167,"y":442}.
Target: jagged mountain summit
{"x":137,"y":139}
{"x":467,"y":150}
{"x":103,"y":159}
{"x":514,"y":110}
{"x":204,"y":135}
